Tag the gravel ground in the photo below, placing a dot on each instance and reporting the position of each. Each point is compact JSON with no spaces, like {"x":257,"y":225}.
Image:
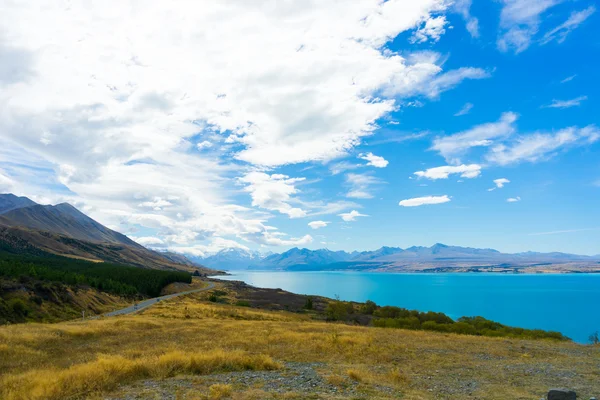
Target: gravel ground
{"x":295,"y":377}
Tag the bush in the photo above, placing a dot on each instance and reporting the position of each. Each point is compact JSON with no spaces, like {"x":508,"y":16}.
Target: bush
{"x":308,"y":305}
{"x":338,"y":310}
{"x":242,"y":303}
{"x":594,"y":338}
{"x":369,"y":307}
{"x":18,"y":307}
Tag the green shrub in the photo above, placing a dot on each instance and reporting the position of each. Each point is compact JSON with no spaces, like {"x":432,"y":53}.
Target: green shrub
{"x":18,"y":307}
{"x":242,"y":303}
{"x":368,"y":308}
{"x":308,"y":305}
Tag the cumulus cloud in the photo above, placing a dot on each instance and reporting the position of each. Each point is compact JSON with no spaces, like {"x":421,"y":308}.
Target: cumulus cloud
{"x":464,"y":110}
{"x":561,"y":32}
{"x":421,"y":201}
{"x":113,"y":98}
{"x":541,"y":146}
{"x":351,"y":216}
{"x":453,"y":146}
{"x":520,"y":21}
{"x":432,"y":30}
{"x":205,"y":144}
{"x":465,"y":171}
{"x":373,"y":160}
{"x":576,"y":102}
{"x":360,"y":185}
{"x":318,"y":224}
{"x":513,"y":199}
{"x":273,"y":192}
{"x":500,"y":182}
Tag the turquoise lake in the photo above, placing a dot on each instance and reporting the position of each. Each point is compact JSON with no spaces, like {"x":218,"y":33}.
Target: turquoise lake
{"x":568,"y":303}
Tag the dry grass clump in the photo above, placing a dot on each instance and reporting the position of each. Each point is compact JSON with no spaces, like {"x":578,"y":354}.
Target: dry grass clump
{"x":355,"y":375}
{"x":107,"y":372}
{"x":219,"y":391}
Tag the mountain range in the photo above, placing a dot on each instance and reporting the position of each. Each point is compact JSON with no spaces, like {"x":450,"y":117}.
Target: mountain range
{"x":28,"y":227}
{"x":437,"y":258}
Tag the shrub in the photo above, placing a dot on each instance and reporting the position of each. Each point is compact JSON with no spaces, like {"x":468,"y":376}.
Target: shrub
{"x":308,"y":305}
{"x":18,"y":307}
{"x":369,"y":307}
{"x":242,"y":303}
{"x":594,"y":338}
{"x":338,"y":310}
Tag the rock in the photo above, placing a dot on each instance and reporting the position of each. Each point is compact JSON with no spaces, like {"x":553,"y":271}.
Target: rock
{"x":561,"y":394}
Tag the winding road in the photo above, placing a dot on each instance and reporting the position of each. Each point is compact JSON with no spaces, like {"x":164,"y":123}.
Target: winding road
{"x":147,"y":303}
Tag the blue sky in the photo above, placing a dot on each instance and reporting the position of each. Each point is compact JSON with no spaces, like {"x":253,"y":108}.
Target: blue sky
{"x":346,"y":126}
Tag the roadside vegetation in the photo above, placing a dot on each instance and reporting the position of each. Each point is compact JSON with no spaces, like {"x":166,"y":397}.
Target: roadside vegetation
{"x":46,"y":288}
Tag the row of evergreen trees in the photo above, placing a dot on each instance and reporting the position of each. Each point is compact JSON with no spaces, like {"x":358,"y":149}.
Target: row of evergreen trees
{"x":112,"y":278}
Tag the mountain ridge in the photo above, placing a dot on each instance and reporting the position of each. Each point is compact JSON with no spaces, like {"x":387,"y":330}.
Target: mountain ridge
{"x":29,"y":228}
{"x":436,"y":257}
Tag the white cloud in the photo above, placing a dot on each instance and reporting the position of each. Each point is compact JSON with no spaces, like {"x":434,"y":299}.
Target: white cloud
{"x":273,"y":192}
{"x":513,"y":199}
{"x":343,"y":166}
{"x":463,"y":7}
{"x":318,"y":224}
{"x":205,"y":144}
{"x":149,"y":241}
{"x":373,"y":160}
{"x":465,"y":171}
{"x":500,"y":182}
{"x":216,"y":244}
{"x":540,"y":146}
{"x":561,"y":32}
{"x":420,"y":201}
{"x":520,"y":21}
{"x":576,"y":102}
{"x":453,"y":146}
{"x":568,"y":78}
{"x":6,"y":184}
{"x":351,"y":216}
{"x":113,"y":96}
{"x":464,"y":110}
{"x":360,"y":185}
{"x":432,"y":29}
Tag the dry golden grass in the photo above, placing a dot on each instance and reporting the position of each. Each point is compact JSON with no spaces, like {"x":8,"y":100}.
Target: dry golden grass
{"x":78,"y":358}
{"x":108,"y":371}
{"x":219,"y":391}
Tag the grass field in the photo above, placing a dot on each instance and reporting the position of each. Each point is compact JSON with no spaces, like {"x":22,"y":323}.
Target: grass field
{"x":193,"y":348}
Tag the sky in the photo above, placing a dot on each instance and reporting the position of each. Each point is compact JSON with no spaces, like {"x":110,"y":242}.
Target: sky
{"x":199,"y":126}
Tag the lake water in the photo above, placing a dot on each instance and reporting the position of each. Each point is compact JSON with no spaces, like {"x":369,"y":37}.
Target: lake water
{"x":568,"y":303}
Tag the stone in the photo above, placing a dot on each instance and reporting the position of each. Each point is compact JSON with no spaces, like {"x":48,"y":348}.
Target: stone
{"x":561,"y":394}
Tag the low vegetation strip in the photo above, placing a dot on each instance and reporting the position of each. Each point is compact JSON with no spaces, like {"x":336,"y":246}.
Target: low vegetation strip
{"x":112,"y":278}
{"x":395,"y":317}
{"x":108,"y":371}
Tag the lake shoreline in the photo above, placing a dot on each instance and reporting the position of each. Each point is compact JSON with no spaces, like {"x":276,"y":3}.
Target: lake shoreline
{"x":532,"y":301}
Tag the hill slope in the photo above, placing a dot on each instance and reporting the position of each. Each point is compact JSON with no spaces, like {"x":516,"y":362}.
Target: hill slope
{"x":27,"y":228}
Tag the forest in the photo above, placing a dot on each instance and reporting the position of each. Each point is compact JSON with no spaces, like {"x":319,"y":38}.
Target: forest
{"x":112,"y":278}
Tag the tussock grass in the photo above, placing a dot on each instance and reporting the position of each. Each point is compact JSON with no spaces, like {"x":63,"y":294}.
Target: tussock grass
{"x":76,"y":358}
{"x":219,"y":391}
{"x":108,"y":371}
